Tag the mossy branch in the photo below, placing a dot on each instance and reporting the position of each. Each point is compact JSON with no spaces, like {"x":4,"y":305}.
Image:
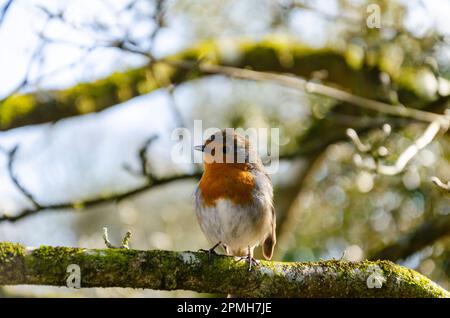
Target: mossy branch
{"x":273,"y":55}
{"x":167,"y":270}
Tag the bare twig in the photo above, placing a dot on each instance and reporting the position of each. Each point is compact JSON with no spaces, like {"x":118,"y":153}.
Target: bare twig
{"x":98,"y":201}
{"x":360,"y":146}
{"x":442,"y":185}
{"x":151,"y":182}
{"x":4,"y":10}
{"x":144,"y":170}
{"x":348,"y":18}
{"x":328,"y":91}
{"x":302,"y":84}
{"x":36,"y":56}
{"x":307,"y":150}
{"x":125,"y":240}
{"x":410,"y":152}
{"x":174,"y":108}
{"x":282,"y":79}
{"x":375,"y":164}
{"x":158,"y":17}
{"x":15,"y":179}
{"x":425,"y":234}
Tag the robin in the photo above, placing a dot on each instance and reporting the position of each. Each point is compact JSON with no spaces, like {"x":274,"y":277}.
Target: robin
{"x":234,"y":198}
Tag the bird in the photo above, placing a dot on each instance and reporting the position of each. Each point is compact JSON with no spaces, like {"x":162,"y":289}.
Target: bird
{"x":234,"y":198}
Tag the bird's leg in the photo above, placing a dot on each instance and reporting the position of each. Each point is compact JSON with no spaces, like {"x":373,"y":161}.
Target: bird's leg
{"x":225,"y":248}
{"x":249,"y":258}
{"x":211,"y":251}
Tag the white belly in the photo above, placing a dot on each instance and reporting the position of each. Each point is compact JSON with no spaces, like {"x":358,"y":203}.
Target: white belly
{"x":235,"y":226}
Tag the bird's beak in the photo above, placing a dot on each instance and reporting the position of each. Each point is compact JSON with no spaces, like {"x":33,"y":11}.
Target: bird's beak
{"x":200,"y":148}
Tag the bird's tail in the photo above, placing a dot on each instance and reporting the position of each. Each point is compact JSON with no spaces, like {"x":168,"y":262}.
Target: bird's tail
{"x":270,"y":241}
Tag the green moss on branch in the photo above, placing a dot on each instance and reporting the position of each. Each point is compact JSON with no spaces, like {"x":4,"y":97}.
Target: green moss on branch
{"x":166,"y":270}
{"x":274,"y":55}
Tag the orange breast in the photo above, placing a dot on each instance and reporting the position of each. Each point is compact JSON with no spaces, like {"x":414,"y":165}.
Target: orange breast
{"x":226,"y":181}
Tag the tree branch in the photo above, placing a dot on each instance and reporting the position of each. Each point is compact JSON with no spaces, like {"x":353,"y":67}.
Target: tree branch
{"x":444,"y":186}
{"x":425,"y":234}
{"x":49,"y":106}
{"x":155,"y":182}
{"x":150,"y":181}
{"x":310,"y":149}
{"x":166,"y":270}
{"x":377,"y":151}
{"x":4,"y":10}
{"x":326,"y":91}
{"x":15,"y":179}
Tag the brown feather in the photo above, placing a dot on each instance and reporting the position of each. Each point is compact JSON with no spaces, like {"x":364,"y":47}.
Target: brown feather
{"x":271,"y":240}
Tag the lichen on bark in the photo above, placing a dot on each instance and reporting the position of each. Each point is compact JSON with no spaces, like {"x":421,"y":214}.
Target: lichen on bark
{"x":168,"y":270}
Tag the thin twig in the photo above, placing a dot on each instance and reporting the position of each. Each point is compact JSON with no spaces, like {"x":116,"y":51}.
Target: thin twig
{"x":404,"y":158}
{"x":15,"y":179}
{"x":328,"y":91}
{"x":125,"y":240}
{"x":353,"y":135}
{"x":143,"y":160}
{"x":424,"y":140}
{"x":37,"y":54}
{"x":4,"y":10}
{"x":304,"y":85}
{"x":102,"y":200}
{"x":151,"y":181}
{"x":174,"y":108}
{"x":442,"y":185}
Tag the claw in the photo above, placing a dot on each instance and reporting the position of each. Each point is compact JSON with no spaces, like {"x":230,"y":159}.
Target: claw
{"x":249,"y":259}
{"x":211,"y":251}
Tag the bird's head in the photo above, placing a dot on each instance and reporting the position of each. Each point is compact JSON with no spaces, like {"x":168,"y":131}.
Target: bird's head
{"x":226,"y":146}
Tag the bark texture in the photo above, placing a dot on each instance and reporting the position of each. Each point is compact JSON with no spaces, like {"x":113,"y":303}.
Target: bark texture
{"x":168,"y":270}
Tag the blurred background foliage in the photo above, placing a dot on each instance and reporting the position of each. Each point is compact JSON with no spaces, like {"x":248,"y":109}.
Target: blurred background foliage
{"x":328,"y":207}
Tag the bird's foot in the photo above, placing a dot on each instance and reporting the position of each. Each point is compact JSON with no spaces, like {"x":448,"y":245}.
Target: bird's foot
{"x":211,"y":251}
{"x":250,"y":260}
